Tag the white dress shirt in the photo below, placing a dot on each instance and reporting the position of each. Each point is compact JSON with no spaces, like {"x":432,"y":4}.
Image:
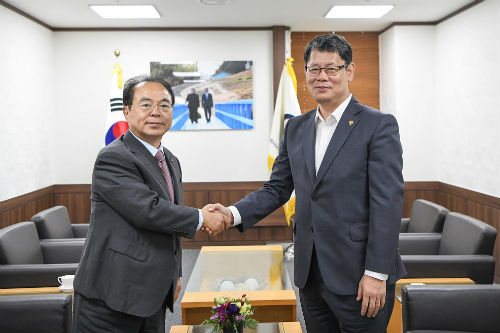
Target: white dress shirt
{"x":324,"y":132}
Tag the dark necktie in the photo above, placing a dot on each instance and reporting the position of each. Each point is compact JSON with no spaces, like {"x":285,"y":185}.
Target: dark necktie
{"x":166,"y":174}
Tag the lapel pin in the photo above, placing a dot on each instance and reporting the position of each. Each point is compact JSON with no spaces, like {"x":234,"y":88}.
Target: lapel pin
{"x":351,"y":122}
{"x":171,"y":160}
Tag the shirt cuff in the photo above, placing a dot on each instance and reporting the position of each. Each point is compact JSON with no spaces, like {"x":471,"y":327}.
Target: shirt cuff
{"x":236,"y":215}
{"x":379,"y":276}
{"x":200,"y":220}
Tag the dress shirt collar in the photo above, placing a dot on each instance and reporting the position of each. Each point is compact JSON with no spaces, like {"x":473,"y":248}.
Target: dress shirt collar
{"x":337,"y":113}
{"x":152,"y":149}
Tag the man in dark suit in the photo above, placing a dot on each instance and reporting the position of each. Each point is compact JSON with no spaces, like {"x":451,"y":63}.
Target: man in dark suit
{"x":193,"y":102}
{"x":344,"y":160}
{"x":131,"y":263}
{"x":207,"y":102}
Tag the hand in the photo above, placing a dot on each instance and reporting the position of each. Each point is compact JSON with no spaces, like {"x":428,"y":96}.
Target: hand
{"x":213,"y":221}
{"x":177,"y":289}
{"x":372,"y":292}
{"x":228,"y":215}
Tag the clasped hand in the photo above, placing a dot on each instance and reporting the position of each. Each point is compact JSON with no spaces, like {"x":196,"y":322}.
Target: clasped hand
{"x":216,"y":218}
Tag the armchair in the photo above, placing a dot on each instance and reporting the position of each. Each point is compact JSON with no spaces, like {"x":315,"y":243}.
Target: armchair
{"x":426,"y":216}
{"x":25,"y":261}
{"x":449,"y":308}
{"x":463,"y":249}
{"x":36,"y":313}
{"x":54,"y":223}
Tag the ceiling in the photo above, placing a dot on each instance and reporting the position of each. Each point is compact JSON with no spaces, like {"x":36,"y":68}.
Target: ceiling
{"x":299,"y":15}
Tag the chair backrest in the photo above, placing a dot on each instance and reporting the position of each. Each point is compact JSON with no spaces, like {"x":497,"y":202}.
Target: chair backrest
{"x":451,"y":308}
{"x":53,"y":223}
{"x":20,"y":245}
{"x":426,"y":216}
{"x":36,"y":313}
{"x":463,"y":234}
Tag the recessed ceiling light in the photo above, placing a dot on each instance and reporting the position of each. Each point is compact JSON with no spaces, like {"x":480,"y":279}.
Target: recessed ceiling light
{"x":366,"y":11}
{"x":214,"y":2}
{"x":119,"y":11}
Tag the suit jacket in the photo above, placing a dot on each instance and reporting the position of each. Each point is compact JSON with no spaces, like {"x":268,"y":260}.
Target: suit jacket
{"x":207,"y":102}
{"x":132,"y":255}
{"x":193,"y":101}
{"x":351,"y":210}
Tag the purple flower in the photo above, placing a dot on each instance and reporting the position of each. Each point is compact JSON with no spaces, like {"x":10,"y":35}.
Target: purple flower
{"x":239,"y":318}
{"x":232,"y":309}
{"x":222,"y":316}
{"x":214,"y":317}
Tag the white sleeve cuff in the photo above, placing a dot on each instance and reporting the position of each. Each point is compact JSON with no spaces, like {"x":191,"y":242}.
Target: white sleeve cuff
{"x":379,"y":276}
{"x":236,"y":215}
{"x":200,"y":219}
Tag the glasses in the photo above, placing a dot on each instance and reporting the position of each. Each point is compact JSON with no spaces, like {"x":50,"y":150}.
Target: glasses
{"x":330,"y":70}
{"x":148,"y":107}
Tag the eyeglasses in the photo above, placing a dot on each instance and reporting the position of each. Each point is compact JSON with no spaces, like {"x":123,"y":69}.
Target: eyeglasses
{"x":148,"y":107}
{"x":330,"y":70}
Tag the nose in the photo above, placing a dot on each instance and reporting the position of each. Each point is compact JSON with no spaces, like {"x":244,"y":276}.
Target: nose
{"x":322,"y":75}
{"x":156,"y":110}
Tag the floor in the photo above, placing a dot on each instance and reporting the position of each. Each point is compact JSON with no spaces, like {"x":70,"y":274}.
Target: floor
{"x":188,"y":260}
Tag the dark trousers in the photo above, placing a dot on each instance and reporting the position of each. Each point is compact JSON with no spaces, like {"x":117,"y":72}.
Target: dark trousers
{"x":208,"y":112}
{"x":92,"y":315}
{"x":325,"y":311}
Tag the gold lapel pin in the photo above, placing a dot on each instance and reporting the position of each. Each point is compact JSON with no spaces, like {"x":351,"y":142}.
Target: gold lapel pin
{"x":351,"y":122}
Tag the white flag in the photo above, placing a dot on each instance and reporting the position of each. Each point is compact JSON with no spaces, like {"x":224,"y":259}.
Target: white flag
{"x":286,"y":107}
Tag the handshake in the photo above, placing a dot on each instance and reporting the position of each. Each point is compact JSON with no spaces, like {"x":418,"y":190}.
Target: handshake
{"x":216,"y":219}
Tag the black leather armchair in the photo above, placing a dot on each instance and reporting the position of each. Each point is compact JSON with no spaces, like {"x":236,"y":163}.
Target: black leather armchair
{"x":426,"y":217}
{"x":54,"y":223}
{"x":25,"y":261}
{"x":448,"y":308}
{"x":463,"y":249}
{"x":36,"y":313}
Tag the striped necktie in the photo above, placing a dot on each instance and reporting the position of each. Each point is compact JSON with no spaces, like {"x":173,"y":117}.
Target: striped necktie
{"x":166,"y":174}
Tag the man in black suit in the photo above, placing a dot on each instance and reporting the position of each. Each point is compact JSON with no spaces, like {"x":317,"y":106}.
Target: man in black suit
{"x":207,"y":102}
{"x":344,"y":160}
{"x":131,"y":264}
{"x":193,"y":102}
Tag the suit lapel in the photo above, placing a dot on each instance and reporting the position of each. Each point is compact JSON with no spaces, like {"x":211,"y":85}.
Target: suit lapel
{"x":309,"y":130}
{"x":346,"y":125}
{"x":145,"y":156}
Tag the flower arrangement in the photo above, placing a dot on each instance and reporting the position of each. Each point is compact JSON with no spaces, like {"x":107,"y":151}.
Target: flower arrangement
{"x":231,"y":313}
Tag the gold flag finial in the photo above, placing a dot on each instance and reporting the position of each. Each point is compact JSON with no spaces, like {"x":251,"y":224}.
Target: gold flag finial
{"x":117,"y":53}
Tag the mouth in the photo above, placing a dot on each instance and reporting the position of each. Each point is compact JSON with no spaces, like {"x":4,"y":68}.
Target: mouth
{"x":154,"y":124}
{"x":322,"y":88}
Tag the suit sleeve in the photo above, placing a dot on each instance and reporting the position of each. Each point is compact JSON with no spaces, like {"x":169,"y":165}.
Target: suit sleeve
{"x":386,"y":186}
{"x":118,"y":182}
{"x":275,"y":192}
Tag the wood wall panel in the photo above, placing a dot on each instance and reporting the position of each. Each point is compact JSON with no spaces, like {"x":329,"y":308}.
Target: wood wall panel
{"x":365,"y":86}
{"x":272,"y":229}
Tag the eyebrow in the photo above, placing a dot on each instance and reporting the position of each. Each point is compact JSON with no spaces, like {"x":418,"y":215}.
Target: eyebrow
{"x":329,"y":64}
{"x":147,"y":99}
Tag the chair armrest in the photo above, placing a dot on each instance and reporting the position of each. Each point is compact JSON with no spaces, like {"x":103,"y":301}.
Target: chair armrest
{"x":80,"y":230}
{"x":61,"y":251}
{"x":479,"y":268}
{"x":472,"y":308}
{"x":30,"y":313}
{"x":38,"y":275}
{"x":419,"y":243}
{"x":404,"y":224}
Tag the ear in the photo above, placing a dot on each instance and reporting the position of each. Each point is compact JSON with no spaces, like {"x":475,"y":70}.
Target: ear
{"x":351,"y":69}
{"x":126,"y":110}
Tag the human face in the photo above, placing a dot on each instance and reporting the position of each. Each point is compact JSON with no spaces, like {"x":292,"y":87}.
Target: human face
{"x":329,"y":91}
{"x":148,"y":117}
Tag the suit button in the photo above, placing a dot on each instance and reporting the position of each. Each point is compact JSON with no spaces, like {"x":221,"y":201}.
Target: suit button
{"x":314,"y":197}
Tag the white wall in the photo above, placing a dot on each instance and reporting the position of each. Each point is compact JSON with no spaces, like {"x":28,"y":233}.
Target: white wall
{"x":468,"y":104}
{"x":443,"y":85}
{"x":407,"y":90}
{"x":26,"y":106}
{"x":83,"y":63}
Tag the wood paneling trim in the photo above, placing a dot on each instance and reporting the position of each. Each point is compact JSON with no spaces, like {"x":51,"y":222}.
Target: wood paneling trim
{"x":23,"y":199}
{"x":72,"y":188}
{"x":278,"y":57}
{"x":481,"y":198}
{"x":421,"y":186}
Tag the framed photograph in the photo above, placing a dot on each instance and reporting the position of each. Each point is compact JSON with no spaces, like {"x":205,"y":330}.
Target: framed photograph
{"x":209,"y":95}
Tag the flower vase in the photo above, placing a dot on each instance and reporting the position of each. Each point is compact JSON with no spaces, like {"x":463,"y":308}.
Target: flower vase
{"x":230,"y":329}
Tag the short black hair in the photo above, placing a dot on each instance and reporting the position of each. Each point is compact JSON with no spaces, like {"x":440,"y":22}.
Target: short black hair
{"x":129,"y":87}
{"x":330,"y":43}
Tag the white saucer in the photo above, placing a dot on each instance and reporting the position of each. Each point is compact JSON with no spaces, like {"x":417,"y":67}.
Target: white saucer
{"x":65,"y":289}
